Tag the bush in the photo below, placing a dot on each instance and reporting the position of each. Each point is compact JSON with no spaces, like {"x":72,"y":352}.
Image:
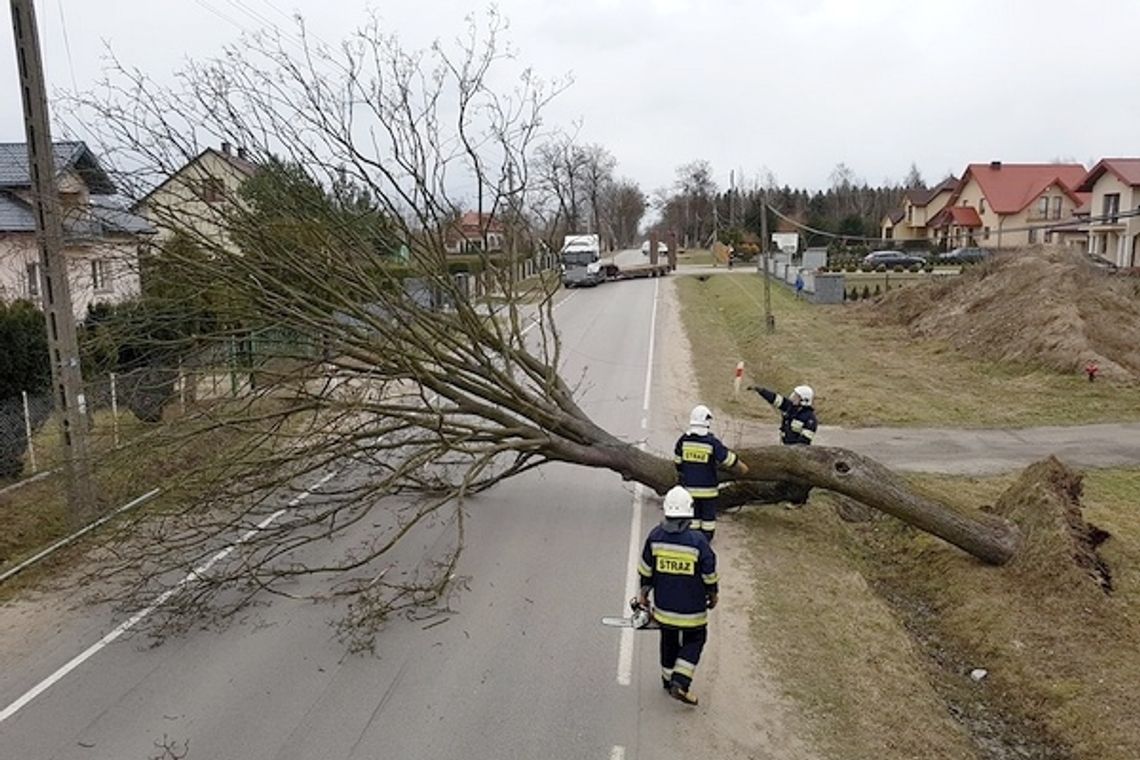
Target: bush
{"x":898,"y":268}
{"x":928,"y":267}
{"x":916,"y":267}
{"x":26,"y":366}
{"x":881,"y":268}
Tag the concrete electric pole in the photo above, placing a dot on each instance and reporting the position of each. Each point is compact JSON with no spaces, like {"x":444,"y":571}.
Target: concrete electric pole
{"x":55,"y":290}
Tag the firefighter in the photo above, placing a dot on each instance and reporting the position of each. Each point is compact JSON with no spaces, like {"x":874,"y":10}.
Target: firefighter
{"x":697,"y":455}
{"x":679,"y":567}
{"x":797,"y":428}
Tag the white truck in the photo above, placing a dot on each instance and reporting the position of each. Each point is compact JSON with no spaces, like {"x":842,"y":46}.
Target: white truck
{"x":579,"y":256}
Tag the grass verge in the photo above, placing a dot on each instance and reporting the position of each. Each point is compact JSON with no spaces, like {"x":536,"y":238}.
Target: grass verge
{"x":869,"y":374}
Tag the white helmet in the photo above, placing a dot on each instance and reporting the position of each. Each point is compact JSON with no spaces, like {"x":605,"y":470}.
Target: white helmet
{"x":805,"y":393}
{"x":700,"y":419}
{"x":678,"y":503}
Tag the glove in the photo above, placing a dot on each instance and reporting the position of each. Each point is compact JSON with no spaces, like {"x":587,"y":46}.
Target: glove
{"x":712,"y":600}
{"x":755,"y":388}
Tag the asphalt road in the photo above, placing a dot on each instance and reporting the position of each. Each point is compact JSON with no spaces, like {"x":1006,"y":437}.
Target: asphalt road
{"x":523,"y":669}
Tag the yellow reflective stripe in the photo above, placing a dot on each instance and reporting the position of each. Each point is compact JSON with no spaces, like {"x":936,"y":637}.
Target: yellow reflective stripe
{"x":664,"y":549}
{"x":778,"y":401}
{"x":730,"y":460}
{"x":677,"y":460}
{"x":679,"y":556}
{"x":809,"y":434}
{"x":703,"y":493}
{"x":643,"y":569}
{"x":667,"y":672}
{"x":797,"y":425}
{"x":681,"y":619}
{"x":684,"y":667}
{"x":710,"y":579}
{"x":707,"y":525}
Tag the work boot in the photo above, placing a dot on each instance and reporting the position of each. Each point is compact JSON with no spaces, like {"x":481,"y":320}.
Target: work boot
{"x":679,"y":694}
{"x":666,"y":684}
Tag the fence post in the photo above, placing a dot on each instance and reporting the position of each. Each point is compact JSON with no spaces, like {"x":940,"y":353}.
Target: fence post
{"x":181,"y":389}
{"x":28,"y":432}
{"x":114,"y":412}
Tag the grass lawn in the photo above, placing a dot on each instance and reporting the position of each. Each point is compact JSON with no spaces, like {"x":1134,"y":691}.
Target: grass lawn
{"x":36,"y":515}
{"x":696,"y":257}
{"x":868,"y":375}
{"x":835,"y":603}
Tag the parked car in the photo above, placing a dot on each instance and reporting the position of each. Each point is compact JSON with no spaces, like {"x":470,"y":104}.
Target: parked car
{"x":892,"y":259}
{"x":965,"y":256}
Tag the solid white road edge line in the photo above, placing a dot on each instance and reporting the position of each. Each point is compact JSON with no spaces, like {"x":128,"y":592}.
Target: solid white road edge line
{"x":535,"y":322}
{"x":142,"y":614}
{"x":625,"y":643}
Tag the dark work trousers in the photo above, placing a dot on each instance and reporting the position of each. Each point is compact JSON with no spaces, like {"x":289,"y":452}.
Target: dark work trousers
{"x":680,"y":653}
{"x":704,"y":516}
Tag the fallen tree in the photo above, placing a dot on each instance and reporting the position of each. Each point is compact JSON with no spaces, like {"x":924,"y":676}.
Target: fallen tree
{"x":363,"y":159}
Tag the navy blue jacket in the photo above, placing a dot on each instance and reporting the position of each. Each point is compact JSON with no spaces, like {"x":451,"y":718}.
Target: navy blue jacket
{"x":679,"y":566}
{"x":697,"y":458}
{"x":799,"y":423}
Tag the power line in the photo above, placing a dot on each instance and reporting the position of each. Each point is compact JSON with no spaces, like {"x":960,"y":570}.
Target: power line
{"x":1054,"y":226}
{"x":67,"y":46}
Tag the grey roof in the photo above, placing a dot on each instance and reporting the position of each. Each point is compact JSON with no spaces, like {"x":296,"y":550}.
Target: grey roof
{"x":15,"y":215}
{"x":66,"y":156}
{"x":104,"y":216}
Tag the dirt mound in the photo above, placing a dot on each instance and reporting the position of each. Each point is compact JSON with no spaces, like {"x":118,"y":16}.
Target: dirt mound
{"x":1045,"y":307}
{"x":1060,"y":547}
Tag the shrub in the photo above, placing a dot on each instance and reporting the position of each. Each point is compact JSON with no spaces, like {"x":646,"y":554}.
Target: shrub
{"x":916,"y":267}
{"x":26,"y":366}
{"x":881,"y":268}
{"x":899,"y":268}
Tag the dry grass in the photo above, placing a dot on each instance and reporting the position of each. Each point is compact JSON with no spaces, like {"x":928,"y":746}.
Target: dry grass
{"x":836,"y":648}
{"x":1061,"y":653}
{"x":867,"y":374}
{"x":36,"y":515}
{"x":1043,"y":306}
{"x":695,"y":257}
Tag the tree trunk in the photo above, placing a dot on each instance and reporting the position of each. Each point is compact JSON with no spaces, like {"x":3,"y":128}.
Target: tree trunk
{"x":985,"y":536}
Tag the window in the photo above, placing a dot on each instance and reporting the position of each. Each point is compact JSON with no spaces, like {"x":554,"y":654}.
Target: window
{"x":982,"y":207}
{"x":1048,"y":236}
{"x":33,"y":269}
{"x":100,"y":275}
{"x":1112,"y":208}
{"x":212,"y":190}
{"x":1032,"y":236}
{"x":1042,"y":208}
{"x":986,"y":233}
{"x":1057,"y":207}
{"x":910,"y":214}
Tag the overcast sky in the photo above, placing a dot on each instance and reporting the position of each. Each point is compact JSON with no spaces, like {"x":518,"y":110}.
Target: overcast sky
{"x":794,"y":86}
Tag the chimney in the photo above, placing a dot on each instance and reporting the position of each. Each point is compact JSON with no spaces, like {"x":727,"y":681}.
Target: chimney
{"x":995,"y":165}
{"x":225,"y":147}
{"x":241,"y":152}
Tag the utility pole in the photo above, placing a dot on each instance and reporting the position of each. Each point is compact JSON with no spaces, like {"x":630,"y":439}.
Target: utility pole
{"x":55,"y":290}
{"x":769,"y":320}
{"x":732,"y":199}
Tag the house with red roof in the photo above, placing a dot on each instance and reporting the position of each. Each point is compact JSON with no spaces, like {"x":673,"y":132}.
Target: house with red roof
{"x":918,"y":207}
{"x":1113,"y":186}
{"x":473,"y":232}
{"x":999,"y":205}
